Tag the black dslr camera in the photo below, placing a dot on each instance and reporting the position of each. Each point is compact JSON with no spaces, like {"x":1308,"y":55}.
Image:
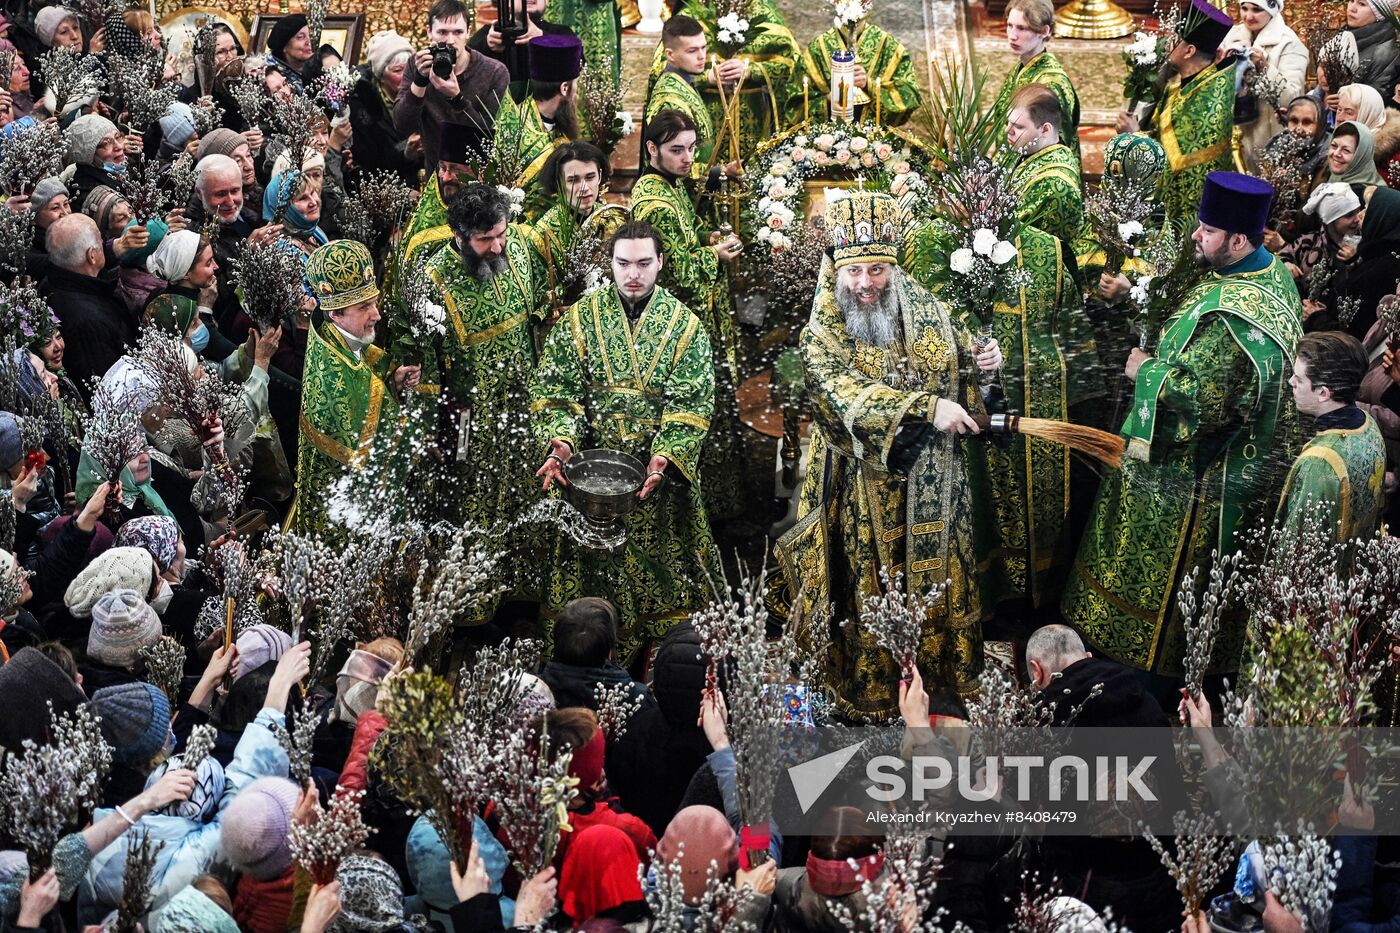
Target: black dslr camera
{"x":444,"y":59}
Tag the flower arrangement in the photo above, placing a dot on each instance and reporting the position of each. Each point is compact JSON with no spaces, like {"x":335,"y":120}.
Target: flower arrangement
{"x":1117,"y":213}
{"x":732,"y":32}
{"x":45,"y":788}
{"x":333,"y":87}
{"x":532,"y":795}
{"x":1165,"y":263}
{"x":600,"y":99}
{"x":165,"y":665}
{"x":850,"y":12}
{"x":320,"y":845}
{"x":896,"y":619}
{"x":26,"y":311}
{"x":376,"y":208}
{"x":516,"y":196}
{"x":31,"y":154}
{"x":1144,"y":57}
{"x":882,"y":158}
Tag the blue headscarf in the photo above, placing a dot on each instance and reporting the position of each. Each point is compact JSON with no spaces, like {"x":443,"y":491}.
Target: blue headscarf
{"x":282,"y":189}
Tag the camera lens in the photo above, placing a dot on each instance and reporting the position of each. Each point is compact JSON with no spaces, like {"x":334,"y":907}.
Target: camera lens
{"x":444,"y":58}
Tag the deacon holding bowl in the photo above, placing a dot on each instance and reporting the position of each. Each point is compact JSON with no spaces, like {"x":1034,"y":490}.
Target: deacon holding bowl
{"x":629,"y":368}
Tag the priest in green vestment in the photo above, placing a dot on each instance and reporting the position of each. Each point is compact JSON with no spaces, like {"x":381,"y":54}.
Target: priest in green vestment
{"x":1028,"y":27}
{"x":572,"y":232}
{"x":494,"y":288}
{"x":1029,"y":478}
{"x":461,"y":149}
{"x":695,"y":273}
{"x":1046,"y":177}
{"x":685,"y":47}
{"x":629,"y":368}
{"x":348,"y":391}
{"x":548,"y":116}
{"x":891,"y":487}
{"x":1337,"y":481}
{"x":759,"y":68}
{"x":883,"y":67}
{"x":1207,"y":424}
{"x":1194,"y":120}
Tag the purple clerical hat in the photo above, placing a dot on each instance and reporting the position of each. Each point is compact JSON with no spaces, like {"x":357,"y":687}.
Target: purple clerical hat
{"x":556,"y":58}
{"x":1205,"y":26}
{"x":1236,"y":203}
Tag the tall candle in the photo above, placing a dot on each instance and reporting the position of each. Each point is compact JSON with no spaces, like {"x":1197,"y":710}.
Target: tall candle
{"x":877,"y":101}
{"x":806,"y":114}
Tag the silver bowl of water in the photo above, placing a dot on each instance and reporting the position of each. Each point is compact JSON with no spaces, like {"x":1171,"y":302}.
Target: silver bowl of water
{"x":603,"y":485}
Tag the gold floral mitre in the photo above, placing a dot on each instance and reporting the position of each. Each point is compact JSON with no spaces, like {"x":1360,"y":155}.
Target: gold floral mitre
{"x":341,"y":274}
{"x":863,"y":226}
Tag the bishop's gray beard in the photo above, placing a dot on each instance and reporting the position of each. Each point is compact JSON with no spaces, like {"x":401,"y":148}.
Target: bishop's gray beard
{"x":876,"y":324}
{"x":481,"y":268}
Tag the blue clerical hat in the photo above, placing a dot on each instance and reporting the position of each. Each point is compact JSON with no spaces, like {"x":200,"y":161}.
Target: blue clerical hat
{"x":1236,"y":203}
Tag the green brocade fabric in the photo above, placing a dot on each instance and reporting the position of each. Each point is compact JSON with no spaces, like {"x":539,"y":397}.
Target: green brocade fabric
{"x":693,"y":273}
{"x":1044,"y":69}
{"x":425,"y":233}
{"x":558,"y":231}
{"x":1193,"y":124}
{"x":856,"y":517}
{"x":883,"y":57}
{"x":1029,"y":478}
{"x":484,"y":362}
{"x":1050,"y":194}
{"x":772,"y":54}
{"x":646,"y":389}
{"x":346,"y":404}
{"x":520,"y":129}
{"x":1210,"y":413}
{"x":1337,"y":481}
{"x":598,"y":23}
{"x":671,"y":91}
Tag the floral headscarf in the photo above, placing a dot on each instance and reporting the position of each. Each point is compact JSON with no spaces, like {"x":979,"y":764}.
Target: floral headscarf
{"x":157,"y":534}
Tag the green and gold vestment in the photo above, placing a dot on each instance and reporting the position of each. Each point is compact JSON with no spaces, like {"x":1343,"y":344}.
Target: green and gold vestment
{"x":1050,"y":194}
{"x":561,"y":233}
{"x":694,"y":274}
{"x":673,"y":90}
{"x":884,"y":58}
{"x":1193,"y":124}
{"x":346,"y":402}
{"x":1337,"y":481}
{"x":1044,"y":69}
{"x":858,"y":517}
{"x":771,"y":52}
{"x":1029,"y":478}
{"x":520,"y":129}
{"x":646,"y":388}
{"x":483,"y":364}
{"x":1210,"y":413}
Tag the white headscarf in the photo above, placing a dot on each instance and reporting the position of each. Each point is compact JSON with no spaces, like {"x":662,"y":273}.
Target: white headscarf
{"x":1331,"y":200}
{"x":1370,"y":107}
{"x":175,"y":255}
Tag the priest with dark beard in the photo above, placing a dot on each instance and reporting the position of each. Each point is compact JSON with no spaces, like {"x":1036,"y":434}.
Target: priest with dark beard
{"x":494,"y":286}
{"x":891,"y":487}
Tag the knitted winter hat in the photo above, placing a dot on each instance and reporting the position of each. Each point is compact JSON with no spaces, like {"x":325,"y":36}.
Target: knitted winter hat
{"x":209,"y":783}
{"x":258,"y":645}
{"x":83,"y":137}
{"x":29,"y":681}
{"x":177,"y":126}
{"x":47,"y":21}
{"x":135,"y":720}
{"x":45,"y":191}
{"x":191,"y":912}
{"x":11,"y":440}
{"x":700,"y":835}
{"x":122,"y":624}
{"x":1383,"y":8}
{"x":382,"y":48}
{"x":120,"y":568}
{"x":221,"y":141}
{"x":254,"y":829}
{"x":371,"y":896}
{"x":99,"y":204}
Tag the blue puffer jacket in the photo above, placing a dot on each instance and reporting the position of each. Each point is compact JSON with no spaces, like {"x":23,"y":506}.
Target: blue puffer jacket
{"x":191,"y":848}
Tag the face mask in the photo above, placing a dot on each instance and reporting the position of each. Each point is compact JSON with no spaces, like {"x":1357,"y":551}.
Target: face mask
{"x":163,"y":597}
{"x":114,"y":168}
{"x":200,"y":340}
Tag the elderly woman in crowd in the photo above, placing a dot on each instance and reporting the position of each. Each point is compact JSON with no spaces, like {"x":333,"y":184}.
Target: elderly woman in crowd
{"x":1267,"y":46}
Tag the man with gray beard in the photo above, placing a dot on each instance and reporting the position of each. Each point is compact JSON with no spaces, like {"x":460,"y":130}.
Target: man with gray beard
{"x":493,"y":284}
{"x":890,"y":487}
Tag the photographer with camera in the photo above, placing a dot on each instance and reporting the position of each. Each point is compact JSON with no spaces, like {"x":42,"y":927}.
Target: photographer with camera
{"x":511,"y":46}
{"x":450,"y":84}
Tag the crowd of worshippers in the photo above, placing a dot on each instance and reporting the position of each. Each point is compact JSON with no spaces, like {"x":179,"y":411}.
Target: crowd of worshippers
{"x":452,"y":368}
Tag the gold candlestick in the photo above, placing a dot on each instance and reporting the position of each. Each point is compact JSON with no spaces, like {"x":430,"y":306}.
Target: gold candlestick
{"x":1093,"y":19}
{"x":806,"y":82}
